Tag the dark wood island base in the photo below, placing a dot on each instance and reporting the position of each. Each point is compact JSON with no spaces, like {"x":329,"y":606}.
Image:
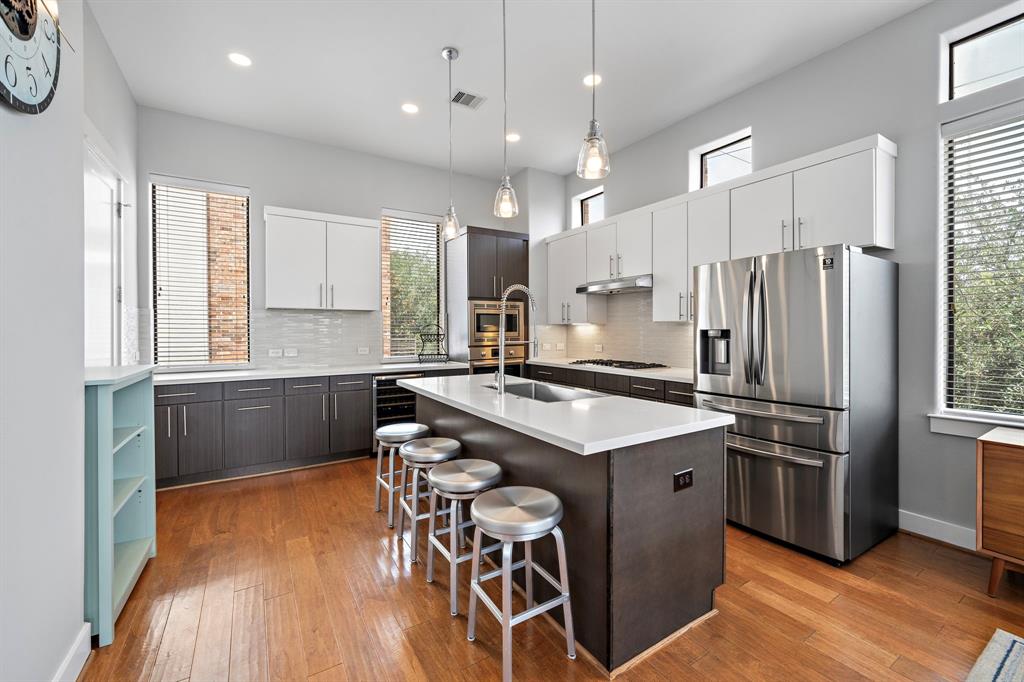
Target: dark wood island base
{"x":645,"y":553}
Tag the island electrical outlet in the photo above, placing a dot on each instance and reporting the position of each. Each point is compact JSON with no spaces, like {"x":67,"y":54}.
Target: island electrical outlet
{"x":682,"y":479}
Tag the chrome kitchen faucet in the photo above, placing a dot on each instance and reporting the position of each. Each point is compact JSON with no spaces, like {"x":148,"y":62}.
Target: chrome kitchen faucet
{"x":499,"y":378}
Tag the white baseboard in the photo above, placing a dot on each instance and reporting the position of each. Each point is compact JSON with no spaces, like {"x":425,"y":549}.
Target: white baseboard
{"x":75,"y":659}
{"x":961,"y":536}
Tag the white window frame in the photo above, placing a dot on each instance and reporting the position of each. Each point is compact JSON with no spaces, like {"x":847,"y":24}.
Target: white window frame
{"x":977,"y":25}
{"x":577,"y":208}
{"x":202,"y":186}
{"x":697,"y":152}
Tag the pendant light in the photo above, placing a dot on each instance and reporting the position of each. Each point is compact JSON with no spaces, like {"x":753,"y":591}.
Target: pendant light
{"x":450,"y":224}
{"x":505,"y":203}
{"x":593,"y":163}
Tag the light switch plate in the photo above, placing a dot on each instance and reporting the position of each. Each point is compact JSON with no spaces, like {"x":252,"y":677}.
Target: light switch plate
{"x":276,"y":352}
{"x":598,"y":347}
{"x":559,"y":346}
{"x":291,"y":352}
{"x":364,"y":350}
{"x":545,"y":346}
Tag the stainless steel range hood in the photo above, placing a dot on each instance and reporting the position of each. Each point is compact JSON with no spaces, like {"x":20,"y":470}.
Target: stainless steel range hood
{"x":621,"y":285}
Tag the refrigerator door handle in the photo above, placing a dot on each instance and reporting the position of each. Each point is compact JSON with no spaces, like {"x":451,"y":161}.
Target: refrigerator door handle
{"x":748,"y":342}
{"x":762,"y":325}
{"x":776,"y":455}
{"x":803,"y":419}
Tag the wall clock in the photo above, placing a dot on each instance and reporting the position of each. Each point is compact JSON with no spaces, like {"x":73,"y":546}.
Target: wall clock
{"x":29,"y":54}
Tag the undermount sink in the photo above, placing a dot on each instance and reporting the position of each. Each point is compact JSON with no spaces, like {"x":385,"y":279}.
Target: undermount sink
{"x":546,"y":393}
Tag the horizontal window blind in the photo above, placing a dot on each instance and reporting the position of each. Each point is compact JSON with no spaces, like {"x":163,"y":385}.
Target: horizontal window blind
{"x":200,"y":276}
{"x":410,"y":282}
{"x":983,"y":198}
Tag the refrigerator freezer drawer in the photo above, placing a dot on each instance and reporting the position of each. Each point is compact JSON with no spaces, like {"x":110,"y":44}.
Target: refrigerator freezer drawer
{"x":806,"y":427}
{"x":796,"y":495}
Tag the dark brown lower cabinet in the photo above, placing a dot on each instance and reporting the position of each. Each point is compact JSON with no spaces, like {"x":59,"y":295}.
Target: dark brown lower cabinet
{"x":351,"y":422}
{"x":166,"y":425}
{"x":253,"y":431}
{"x":200,"y":438}
{"x":307,"y":431}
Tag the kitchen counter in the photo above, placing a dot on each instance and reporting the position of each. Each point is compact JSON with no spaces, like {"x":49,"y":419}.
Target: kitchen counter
{"x":208,"y":376}
{"x":584,"y":426}
{"x":98,"y":376}
{"x":683,"y":374}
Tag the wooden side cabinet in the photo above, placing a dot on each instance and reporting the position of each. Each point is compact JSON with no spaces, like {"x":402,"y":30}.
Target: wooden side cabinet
{"x":1000,"y":521}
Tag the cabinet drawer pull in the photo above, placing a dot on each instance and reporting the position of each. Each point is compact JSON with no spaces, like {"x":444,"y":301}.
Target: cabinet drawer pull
{"x":259,"y":388}
{"x":308,"y":386}
{"x":175,"y":395}
{"x":645,"y":388}
{"x":544,"y":373}
{"x":257,"y":407}
{"x":682,"y":393}
{"x":347,"y":383}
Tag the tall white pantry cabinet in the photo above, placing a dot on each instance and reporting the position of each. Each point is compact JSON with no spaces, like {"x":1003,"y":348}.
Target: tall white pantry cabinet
{"x":319,"y":261}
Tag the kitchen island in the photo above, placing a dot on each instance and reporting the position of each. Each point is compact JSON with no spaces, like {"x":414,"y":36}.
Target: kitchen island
{"x":643,"y":489}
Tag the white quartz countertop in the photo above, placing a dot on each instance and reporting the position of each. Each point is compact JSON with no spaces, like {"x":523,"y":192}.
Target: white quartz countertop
{"x":96,"y":376}
{"x":683,"y":374}
{"x":203,"y":377}
{"x":583,"y":426}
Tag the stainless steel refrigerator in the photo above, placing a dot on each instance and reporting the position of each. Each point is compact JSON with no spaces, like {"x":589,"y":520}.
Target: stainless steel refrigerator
{"x":801,"y":347}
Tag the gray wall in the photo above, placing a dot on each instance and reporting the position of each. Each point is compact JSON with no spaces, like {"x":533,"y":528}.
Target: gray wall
{"x":282,"y":171}
{"x":41,"y":396}
{"x":887,"y":82}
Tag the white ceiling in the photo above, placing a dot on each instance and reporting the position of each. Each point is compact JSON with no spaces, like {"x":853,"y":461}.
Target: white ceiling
{"x":337,"y":71}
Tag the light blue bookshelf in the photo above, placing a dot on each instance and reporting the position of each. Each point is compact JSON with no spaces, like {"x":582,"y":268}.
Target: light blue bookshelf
{"x":120,"y":491}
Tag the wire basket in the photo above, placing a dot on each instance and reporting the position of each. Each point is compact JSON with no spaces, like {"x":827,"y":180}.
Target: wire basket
{"x":432,"y":346}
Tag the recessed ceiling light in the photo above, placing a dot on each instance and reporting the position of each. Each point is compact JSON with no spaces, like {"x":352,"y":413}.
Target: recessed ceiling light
{"x":512,"y":137}
{"x":410,"y":108}
{"x":592,"y":79}
{"x":239,"y":58}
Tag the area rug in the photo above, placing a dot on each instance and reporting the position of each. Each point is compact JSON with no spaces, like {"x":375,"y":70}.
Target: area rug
{"x":1001,"y":661}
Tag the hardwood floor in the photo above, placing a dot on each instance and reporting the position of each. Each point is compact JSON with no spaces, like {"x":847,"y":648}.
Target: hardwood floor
{"x":294,"y":577}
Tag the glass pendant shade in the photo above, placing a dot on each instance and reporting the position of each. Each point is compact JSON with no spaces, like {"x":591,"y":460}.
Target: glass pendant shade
{"x":505,"y":203}
{"x":450,"y":227}
{"x":593,"y":163}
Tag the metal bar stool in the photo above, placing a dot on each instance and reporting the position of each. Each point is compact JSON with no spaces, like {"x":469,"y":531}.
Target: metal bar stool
{"x":392,"y":435}
{"x":456,"y":481}
{"x":518,"y":514}
{"x":420,"y":455}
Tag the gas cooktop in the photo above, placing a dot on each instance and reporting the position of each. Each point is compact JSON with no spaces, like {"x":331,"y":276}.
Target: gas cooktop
{"x":619,"y":364}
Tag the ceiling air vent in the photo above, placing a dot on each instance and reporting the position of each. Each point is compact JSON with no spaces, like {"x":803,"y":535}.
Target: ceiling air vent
{"x":468,"y":99}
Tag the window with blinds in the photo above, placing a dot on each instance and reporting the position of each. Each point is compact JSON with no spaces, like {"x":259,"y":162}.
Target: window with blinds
{"x":200,"y":276}
{"x":410,"y":253}
{"x":983,"y":196}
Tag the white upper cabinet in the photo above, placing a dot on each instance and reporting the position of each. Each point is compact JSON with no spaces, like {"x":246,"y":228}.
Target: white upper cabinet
{"x":846,"y":200}
{"x":353,"y":267}
{"x":633,"y":240}
{"x":708,"y":236}
{"x":296,"y":258}
{"x":602,"y":252}
{"x":671,"y":298}
{"x":567,"y":269}
{"x":762,"y":217}
{"x":321,"y":262}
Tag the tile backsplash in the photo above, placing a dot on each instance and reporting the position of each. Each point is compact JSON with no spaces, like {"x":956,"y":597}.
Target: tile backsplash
{"x":320,"y":337}
{"x":630,"y":334}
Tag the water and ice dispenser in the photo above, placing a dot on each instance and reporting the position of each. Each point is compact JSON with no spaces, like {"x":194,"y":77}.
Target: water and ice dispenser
{"x":715,"y":353}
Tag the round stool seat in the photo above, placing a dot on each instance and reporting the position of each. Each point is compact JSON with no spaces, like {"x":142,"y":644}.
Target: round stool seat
{"x":462,"y":476}
{"x":516,"y":510}
{"x":430,"y":450}
{"x":396,"y":434}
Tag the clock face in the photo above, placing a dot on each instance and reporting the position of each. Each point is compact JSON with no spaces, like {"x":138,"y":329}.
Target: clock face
{"x":29,"y":54}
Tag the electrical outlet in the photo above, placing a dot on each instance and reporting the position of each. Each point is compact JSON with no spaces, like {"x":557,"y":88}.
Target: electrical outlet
{"x":598,"y":347}
{"x":545,"y":346}
{"x":559,"y":346}
{"x":364,"y":350}
{"x":276,"y":352}
{"x":291,"y":352}
{"x":682,"y":479}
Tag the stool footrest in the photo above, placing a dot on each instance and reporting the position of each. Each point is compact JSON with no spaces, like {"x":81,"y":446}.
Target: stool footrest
{"x":436,"y":542}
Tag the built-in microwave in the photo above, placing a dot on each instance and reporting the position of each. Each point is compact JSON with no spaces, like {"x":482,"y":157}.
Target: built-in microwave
{"x":484,"y":318}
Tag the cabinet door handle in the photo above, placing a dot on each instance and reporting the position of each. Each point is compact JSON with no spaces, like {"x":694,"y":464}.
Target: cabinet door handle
{"x":335,"y":407}
{"x":168,"y":422}
{"x":691,"y":306}
{"x":619,"y":269}
{"x":799,"y":233}
{"x":332,"y":295}
{"x":783,"y":233}
{"x":256,"y":388}
{"x":645,"y":388}
{"x":502,"y":287}
{"x":175,"y":395}
{"x":307,"y":386}
{"x":323,"y":407}
{"x":257,"y":407}
{"x":680,"y":305}
{"x":184,"y":412}
{"x":563,"y":311}
{"x":568,"y":312}
{"x":611,"y":266}
{"x":321,"y":294}
{"x":494,"y":286}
